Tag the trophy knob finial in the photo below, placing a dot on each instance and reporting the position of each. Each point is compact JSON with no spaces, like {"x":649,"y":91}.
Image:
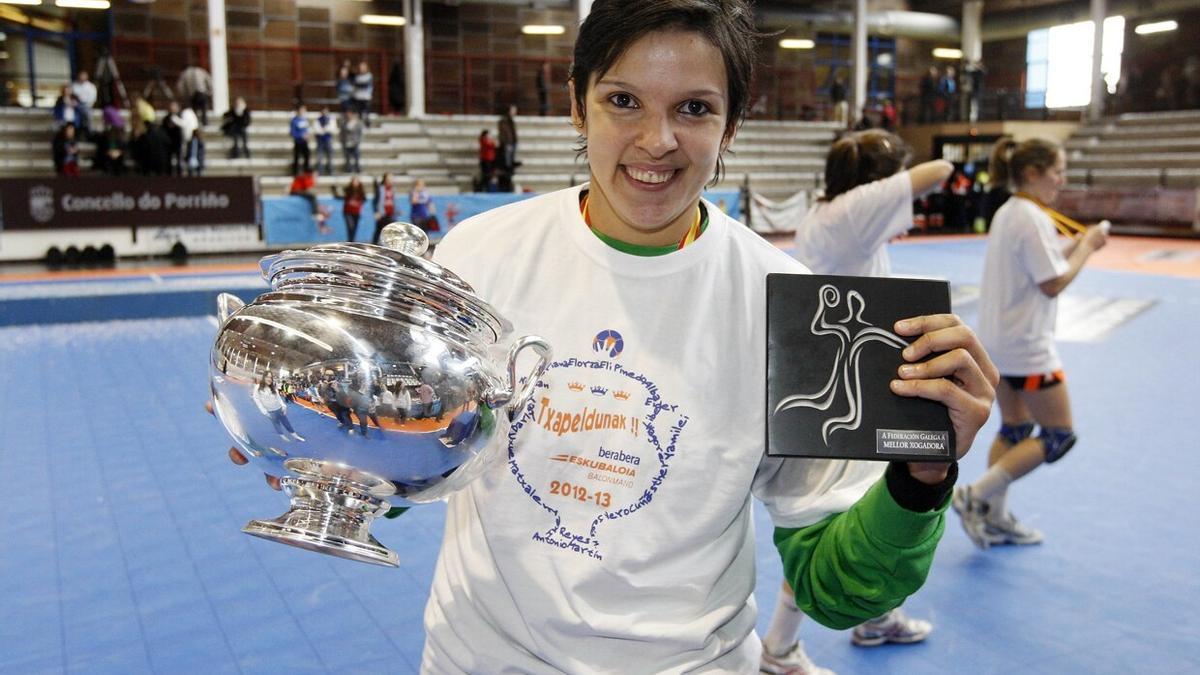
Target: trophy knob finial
{"x":404,"y":237}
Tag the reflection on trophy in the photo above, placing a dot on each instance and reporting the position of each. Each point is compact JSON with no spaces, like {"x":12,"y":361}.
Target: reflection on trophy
{"x":368,"y":377}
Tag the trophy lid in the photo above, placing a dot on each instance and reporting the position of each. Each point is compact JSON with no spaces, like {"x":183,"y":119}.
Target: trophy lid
{"x":395,"y":275}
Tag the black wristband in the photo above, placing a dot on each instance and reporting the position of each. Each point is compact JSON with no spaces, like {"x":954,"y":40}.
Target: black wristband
{"x":912,"y":494}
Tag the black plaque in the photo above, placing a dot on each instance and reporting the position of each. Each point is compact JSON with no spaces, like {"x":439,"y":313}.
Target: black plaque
{"x":832,"y":352}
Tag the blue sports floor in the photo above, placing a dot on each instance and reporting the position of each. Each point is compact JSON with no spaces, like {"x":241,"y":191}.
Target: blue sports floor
{"x":121,"y":550}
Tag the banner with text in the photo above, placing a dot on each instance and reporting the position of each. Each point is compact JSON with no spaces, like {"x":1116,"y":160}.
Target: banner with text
{"x":54,"y":203}
{"x":290,"y":220}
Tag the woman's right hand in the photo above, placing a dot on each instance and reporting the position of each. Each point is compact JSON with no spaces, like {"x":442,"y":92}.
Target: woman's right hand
{"x":1096,"y":236}
{"x":238,"y":458}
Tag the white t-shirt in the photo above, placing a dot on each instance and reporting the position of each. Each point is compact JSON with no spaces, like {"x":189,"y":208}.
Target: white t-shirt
{"x":848,"y":235}
{"x":619,"y":538}
{"x":1016,"y":319}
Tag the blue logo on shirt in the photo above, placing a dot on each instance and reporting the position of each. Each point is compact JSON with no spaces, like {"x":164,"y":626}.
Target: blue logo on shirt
{"x":608,"y":342}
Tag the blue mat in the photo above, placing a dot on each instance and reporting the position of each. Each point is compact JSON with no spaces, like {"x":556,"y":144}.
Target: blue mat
{"x":120,"y":549}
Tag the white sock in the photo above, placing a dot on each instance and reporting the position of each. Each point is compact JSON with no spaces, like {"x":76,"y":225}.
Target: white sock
{"x":995,"y":481}
{"x":785,"y":624}
{"x":997,"y":506}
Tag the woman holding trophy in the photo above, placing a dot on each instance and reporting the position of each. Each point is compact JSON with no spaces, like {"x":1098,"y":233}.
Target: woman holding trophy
{"x":619,"y":534}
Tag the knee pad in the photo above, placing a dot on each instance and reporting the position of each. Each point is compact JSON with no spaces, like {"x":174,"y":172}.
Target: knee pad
{"x":1056,"y":441}
{"x":1015,"y":433}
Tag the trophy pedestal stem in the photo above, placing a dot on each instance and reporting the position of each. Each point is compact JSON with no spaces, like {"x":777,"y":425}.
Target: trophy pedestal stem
{"x":330,"y":515}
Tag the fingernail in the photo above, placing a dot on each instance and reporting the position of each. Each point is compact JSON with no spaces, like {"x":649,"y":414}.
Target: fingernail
{"x":897,"y":385}
{"x":908,"y":371}
{"x":903,"y":325}
{"x":908,"y":352}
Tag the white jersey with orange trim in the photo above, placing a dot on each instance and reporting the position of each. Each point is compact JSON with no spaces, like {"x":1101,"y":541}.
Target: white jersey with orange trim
{"x":1016,"y":319}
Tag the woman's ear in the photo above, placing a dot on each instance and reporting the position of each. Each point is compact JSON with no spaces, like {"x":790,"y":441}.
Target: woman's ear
{"x":577,"y":115}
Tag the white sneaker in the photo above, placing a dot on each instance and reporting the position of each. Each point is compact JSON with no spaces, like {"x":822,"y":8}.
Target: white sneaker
{"x":971,"y":512}
{"x":794,"y":661}
{"x":895,"y":626}
{"x":297,"y":437}
{"x":1006,"y":530}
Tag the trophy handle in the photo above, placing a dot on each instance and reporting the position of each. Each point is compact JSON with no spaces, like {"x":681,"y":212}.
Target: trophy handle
{"x":514,"y":398}
{"x":227,"y":304}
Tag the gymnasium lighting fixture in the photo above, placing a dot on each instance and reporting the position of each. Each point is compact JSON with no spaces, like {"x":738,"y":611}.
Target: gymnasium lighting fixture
{"x":947,"y":53}
{"x":20,"y":2}
{"x":797,"y":43}
{"x":82,"y":4}
{"x":382,"y":20}
{"x":1156,"y":27}
{"x":535,"y":29}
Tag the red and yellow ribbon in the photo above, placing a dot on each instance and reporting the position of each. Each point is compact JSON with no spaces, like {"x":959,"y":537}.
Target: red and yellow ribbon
{"x":692,"y":234}
{"x":1065,"y":224}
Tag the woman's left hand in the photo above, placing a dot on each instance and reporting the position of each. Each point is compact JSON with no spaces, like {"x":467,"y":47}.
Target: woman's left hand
{"x":959,"y":376}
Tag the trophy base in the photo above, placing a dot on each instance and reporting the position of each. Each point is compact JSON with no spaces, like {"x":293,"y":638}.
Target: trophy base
{"x":329,"y":514}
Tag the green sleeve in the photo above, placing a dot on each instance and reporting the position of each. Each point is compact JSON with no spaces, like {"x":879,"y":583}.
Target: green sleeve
{"x":860,"y":564}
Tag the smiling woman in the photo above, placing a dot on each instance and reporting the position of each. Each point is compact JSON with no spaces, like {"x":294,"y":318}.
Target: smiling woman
{"x":628,"y":545}
{"x":654,"y":138}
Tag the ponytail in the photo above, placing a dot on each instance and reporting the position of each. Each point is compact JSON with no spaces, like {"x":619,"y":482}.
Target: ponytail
{"x":1010,"y":159}
{"x":998,"y":165}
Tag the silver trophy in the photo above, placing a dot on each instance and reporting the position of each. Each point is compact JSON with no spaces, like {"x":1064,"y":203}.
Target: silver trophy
{"x":367,"y":378}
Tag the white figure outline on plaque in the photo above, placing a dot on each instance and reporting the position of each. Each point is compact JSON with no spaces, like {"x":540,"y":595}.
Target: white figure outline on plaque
{"x":850,"y":345}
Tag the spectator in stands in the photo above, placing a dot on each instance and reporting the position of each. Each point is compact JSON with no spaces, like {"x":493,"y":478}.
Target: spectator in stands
{"x":837,"y":98}
{"x":396,"y":88}
{"x":421,"y":209}
{"x":66,"y":151}
{"x":142,"y":109}
{"x":972,"y":89}
{"x":85,"y":95}
{"x":195,"y":90}
{"x":864,"y":120}
{"x":112,"y":117}
{"x":149,"y":147}
{"x":236,"y":126}
{"x":487,"y":161}
{"x":364,"y":90}
{"x":66,"y":109}
{"x":384,"y":199}
{"x":173,"y":124}
{"x":508,"y":142}
{"x":351,"y":137}
{"x":344,"y":85}
{"x":304,"y":185}
{"x":948,"y":93}
{"x":929,"y":96}
{"x":887,"y":115}
{"x":868,"y":201}
{"x":110,"y":151}
{"x":1025,"y":268}
{"x":324,"y":130}
{"x":194,"y":157}
{"x":300,"y":132}
{"x":353,"y":197}
{"x":542,"y":85}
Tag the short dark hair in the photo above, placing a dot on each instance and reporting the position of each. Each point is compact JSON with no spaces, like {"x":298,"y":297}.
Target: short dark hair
{"x":613,"y":25}
{"x":863,"y":157}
